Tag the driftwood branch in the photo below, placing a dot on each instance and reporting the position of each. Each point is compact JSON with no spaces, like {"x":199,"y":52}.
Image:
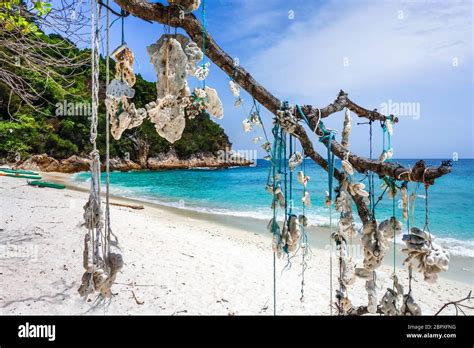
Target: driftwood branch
{"x":341,"y":102}
{"x":458,"y":305}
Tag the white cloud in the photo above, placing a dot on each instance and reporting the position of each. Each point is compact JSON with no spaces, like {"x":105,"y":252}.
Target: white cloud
{"x":396,"y":41}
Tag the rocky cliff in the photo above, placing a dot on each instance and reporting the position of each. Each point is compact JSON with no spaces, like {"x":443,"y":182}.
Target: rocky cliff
{"x":74,"y":164}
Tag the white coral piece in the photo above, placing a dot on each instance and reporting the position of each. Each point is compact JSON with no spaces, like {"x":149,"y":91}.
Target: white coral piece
{"x":202,"y":72}
{"x":306,"y":199}
{"x":168,"y":117}
{"x":303,"y":179}
{"x":295,"y":160}
{"x":247,"y":125}
{"x":214,"y":104}
{"x":234,"y":88}
{"x":170,"y":63}
{"x":238,"y":102}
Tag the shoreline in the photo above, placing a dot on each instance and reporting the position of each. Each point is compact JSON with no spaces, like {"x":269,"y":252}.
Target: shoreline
{"x":177,"y":262}
{"x":461,"y":267}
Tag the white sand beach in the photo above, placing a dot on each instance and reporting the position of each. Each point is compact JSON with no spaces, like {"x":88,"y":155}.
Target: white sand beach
{"x":176,"y":263}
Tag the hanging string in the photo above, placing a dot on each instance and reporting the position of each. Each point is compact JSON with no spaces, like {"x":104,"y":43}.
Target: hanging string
{"x":410,"y":277}
{"x":394,"y":244}
{"x":329,"y":136}
{"x":276,"y":161}
{"x":304,"y":237}
{"x":291,"y":177}
{"x":203,"y":33}
{"x":107,"y":129}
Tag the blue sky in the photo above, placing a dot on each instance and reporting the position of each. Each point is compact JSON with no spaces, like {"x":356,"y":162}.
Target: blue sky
{"x":416,"y":54}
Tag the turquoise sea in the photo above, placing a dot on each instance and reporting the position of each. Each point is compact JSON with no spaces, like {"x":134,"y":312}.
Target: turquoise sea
{"x":241,"y":192}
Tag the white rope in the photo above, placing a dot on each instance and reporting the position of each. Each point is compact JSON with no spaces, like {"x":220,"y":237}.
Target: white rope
{"x":107,"y":134}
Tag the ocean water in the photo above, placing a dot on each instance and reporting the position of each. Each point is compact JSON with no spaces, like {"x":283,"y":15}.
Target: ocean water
{"x":241,"y":192}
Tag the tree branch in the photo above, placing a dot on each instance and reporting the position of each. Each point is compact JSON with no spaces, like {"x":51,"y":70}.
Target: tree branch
{"x":170,"y":15}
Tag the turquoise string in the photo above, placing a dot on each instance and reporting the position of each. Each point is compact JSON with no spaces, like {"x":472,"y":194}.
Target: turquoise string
{"x":329,"y":136}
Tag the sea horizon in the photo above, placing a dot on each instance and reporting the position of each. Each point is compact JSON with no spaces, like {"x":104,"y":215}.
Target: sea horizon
{"x":240,"y":192}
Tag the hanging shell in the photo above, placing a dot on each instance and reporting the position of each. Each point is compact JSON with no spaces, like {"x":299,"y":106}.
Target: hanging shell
{"x":390,"y":153}
{"x":347,"y":130}
{"x":295,"y":160}
{"x":267,"y":146}
{"x":238,"y":102}
{"x":390,"y":227}
{"x":373,"y":244}
{"x":256,"y":139}
{"x":404,"y":194}
{"x":383,"y":157}
{"x":279,"y":197}
{"x":255,"y":119}
{"x":327,"y":199}
{"x":358,"y":189}
{"x":347,"y":166}
{"x":343,"y":203}
{"x":303,"y":220}
{"x":294,"y":232}
{"x":306,"y":199}
{"x":303,"y":179}
{"x":234,"y":88}
{"x":432,"y":258}
{"x":247,"y":125}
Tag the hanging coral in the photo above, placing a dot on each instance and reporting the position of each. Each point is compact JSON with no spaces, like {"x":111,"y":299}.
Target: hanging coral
{"x":123,"y":115}
{"x":286,"y":119}
{"x":432,"y":258}
{"x":295,"y":160}
{"x":123,"y":68}
{"x":374,"y":248}
{"x":294,"y":234}
{"x":390,"y":227}
{"x":174,"y":58}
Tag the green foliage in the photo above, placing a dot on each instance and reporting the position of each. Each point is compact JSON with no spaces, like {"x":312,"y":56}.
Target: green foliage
{"x":30,"y":132}
{"x":11,"y":17}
